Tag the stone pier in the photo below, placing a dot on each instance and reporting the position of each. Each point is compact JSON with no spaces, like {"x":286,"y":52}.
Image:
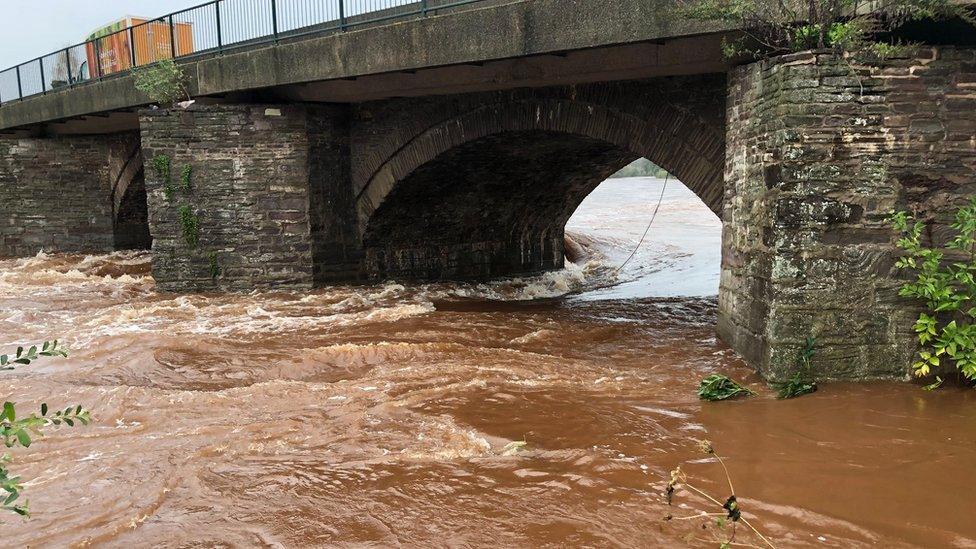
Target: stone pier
{"x":820,"y":153}
{"x":264,"y":187}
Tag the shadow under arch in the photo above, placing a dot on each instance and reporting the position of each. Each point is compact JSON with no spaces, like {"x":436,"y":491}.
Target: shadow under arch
{"x":130,"y":222}
{"x":487,"y":192}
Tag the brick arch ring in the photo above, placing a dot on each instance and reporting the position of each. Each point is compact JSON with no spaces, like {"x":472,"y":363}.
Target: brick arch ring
{"x":674,"y":139}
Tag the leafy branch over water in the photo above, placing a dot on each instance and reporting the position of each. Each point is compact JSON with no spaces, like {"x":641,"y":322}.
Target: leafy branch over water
{"x":21,"y":431}
{"x":22,"y":357}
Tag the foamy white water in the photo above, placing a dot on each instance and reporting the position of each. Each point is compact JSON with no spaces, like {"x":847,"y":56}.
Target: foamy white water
{"x":681,"y":255}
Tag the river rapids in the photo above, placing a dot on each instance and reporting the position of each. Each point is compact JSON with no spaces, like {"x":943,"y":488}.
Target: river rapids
{"x":543,"y":411}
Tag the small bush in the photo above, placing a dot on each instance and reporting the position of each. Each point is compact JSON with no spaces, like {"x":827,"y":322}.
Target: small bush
{"x":185,"y":176}
{"x":190,"y":225}
{"x":800,"y":384}
{"x":846,"y":26}
{"x":214,"y":266}
{"x":795,"y":387}
{"x":160,"y":165}
{"x":163,"y":82}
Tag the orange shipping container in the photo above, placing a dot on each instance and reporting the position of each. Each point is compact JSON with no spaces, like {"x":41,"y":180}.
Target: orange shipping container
{"x":110,"y":50}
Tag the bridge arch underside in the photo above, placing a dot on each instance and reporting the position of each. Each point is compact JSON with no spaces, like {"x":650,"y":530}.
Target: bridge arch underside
{"x":491,"y":207}
{"x":131,"y":220}
{"x":488,"y":193}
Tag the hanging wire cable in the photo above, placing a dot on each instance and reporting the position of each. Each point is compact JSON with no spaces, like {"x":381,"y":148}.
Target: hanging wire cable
{"x":649,"y":223}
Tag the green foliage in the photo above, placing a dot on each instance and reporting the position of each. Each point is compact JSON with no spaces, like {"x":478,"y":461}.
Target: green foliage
{"x":22,"y":431}
{"x":795,"y":387}
{"x":947,"y":286}
{"x":160,"y":165}
{"x":15,"y":431}
{"x":214,"y":266}
{"x":190,"y":225}
{"x":25,"y":357}
{"x":719,"y":387}
{"x":641,"y":167}
{"x":846,"y":36}
{"x":800,"y":384}
{"x":772,"y":27}
{"x":935,"y":385}
{"x":884,"y":50}
{"x":12,"y":487}
{"x":185,"y":176}
{"x":163,"y":82}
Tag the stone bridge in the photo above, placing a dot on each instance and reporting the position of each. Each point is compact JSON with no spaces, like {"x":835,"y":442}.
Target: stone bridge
{"x":456,"y":145}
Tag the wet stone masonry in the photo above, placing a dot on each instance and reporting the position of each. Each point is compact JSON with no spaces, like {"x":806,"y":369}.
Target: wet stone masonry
{"x":256,"y":217}
{"x":429,"y":188}
{"x":481,"y":185}
{"x":818,"y":153}
{"x":56,"y":193}
{"x":818,"y":159}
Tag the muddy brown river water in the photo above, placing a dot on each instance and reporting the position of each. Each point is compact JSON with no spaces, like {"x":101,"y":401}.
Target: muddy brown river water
{"x":385,"y":415}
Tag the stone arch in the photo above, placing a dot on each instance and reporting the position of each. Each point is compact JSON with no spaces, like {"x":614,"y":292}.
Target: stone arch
{"x":416,"y":220}
{"x":677,"y":140}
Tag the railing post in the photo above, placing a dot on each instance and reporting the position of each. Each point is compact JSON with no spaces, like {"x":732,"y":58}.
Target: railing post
{"x":40,"y":61}
{"x":423,"y":7}
{"x":172,"y":39}
{"x":220,"y":40}
{"x":20,"y":90}
{"x":67,"y":64}
{"x":274,"y":18}
{"x":132,"y":49}
{"x":342,"y":14}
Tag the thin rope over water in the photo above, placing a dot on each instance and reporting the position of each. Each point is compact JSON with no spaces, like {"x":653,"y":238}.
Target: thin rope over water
{"x":649,"y":223}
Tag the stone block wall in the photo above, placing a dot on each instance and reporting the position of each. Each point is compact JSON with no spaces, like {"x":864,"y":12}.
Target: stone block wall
{"x":336,"y":240}
{"x":55,"y":195}
{"x":259,"y":191}
{"x":820,"y":153}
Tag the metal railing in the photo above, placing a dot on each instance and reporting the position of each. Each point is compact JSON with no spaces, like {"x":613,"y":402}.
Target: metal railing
{"x":208,"y":28}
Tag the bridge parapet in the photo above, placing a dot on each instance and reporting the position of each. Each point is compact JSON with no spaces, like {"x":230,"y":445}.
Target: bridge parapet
{"x":389,"y":52}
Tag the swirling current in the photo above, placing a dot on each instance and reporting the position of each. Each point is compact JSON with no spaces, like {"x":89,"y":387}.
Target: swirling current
{"x":544,"y":411}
